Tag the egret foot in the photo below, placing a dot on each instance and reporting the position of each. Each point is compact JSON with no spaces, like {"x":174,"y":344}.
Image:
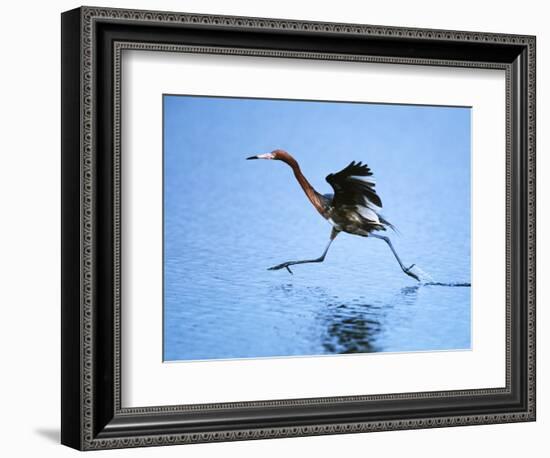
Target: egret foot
{"x":283,"y":265}
{"x":411,"y":274}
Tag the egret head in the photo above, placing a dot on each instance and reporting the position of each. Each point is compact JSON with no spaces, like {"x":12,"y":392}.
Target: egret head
{"x":278,"y":154}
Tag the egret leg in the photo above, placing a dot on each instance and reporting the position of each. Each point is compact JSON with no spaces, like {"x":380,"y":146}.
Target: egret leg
{"x":407,"y":270}
{"x":321,"y":258}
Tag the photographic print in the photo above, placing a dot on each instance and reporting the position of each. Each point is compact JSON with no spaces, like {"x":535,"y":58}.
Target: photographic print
{"x":314,"y":228}
{"x":294,"y":228}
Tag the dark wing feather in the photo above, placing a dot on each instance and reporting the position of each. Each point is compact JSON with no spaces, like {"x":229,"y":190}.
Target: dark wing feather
{"x":352,"y":186}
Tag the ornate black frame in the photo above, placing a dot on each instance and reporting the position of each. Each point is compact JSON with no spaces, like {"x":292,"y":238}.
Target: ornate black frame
{"x":92,"y":42}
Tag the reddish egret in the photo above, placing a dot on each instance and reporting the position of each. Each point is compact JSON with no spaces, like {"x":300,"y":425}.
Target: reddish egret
{"x":353,"y":208}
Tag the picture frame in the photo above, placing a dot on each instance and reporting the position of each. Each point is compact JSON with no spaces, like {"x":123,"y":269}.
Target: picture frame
{"x":93,"y":416}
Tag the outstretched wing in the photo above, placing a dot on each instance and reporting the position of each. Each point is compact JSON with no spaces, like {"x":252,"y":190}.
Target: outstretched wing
{"x":354,"y":185}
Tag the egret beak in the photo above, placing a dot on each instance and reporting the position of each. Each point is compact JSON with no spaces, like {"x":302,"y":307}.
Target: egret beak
{"x":262,"y":156}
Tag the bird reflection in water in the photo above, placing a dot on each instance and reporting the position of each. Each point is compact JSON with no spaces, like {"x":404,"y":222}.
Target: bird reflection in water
{"x":353,"y":331}
{"x":354,"y":326}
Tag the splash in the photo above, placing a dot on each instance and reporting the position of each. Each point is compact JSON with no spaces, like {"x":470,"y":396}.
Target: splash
{"x":426,"y":279}
{"x":438,"y":283}
{"x":423,"y":276}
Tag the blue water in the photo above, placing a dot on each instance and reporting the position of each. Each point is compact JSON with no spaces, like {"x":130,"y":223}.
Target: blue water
{"x":226,"y":220}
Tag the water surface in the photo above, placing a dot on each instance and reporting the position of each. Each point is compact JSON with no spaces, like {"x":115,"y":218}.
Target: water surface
{"x":226,"y":220}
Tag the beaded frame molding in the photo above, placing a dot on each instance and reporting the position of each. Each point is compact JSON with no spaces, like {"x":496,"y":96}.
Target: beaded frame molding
{"x":92,"y":42}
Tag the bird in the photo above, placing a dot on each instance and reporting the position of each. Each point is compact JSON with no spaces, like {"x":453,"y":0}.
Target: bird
{"x":354,"y":207}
